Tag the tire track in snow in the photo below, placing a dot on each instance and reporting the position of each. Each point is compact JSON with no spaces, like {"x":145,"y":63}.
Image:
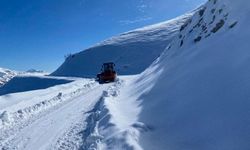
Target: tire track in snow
{"x":99,"y":118}
{"x":85,"y":134}
{"x":111,"y":124}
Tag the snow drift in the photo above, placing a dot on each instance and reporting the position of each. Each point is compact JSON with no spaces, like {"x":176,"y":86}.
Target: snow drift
{"x":200,"y":99}
{"x":132,"y":52}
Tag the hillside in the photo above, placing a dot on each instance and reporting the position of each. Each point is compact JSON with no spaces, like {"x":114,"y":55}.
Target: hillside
{"x":6,"y":75}
{"x":198,"y":96}
{"x":132,"y":52}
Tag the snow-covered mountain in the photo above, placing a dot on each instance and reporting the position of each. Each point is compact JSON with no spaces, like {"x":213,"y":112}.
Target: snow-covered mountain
{"x":34,"y":71}
{"x":6,"y":75}
{"x":132,"y":52}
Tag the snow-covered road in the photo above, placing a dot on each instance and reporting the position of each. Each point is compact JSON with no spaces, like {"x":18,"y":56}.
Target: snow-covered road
{"x":50,"y":128}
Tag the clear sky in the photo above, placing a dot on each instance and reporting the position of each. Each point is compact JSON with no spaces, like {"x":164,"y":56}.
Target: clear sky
{"x":38,"y":33}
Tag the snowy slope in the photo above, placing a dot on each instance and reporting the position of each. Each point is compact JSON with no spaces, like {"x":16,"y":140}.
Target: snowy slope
{"x":132,"y":52}
{"x":6,"y":75}
{"x":196,"y":95}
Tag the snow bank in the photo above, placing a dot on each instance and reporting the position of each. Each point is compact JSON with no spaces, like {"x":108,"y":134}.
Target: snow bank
{"x":200,"y":100}
{"x":99,"y":119}
{"x":125,"y":50}
{"x":5,"y":118}
{"x":103,"y":130}
{"x":114,"y":122}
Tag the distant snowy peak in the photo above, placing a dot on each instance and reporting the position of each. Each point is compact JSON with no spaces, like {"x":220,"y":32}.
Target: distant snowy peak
{"x":34,"y":71}
{"x":210,"y":19}
{"x":6,"y":75}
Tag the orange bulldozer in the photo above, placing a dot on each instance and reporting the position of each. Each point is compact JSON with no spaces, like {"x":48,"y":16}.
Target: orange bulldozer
{"x":108,"y":73}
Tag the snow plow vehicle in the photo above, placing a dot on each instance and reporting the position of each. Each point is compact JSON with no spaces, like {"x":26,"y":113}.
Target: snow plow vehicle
{"x":108,"y":73}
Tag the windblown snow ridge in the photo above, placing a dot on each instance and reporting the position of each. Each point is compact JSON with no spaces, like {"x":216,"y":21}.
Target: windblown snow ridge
{"x":200,"y":100}
{"x":99,"y":119}
{"x":101,"y":132}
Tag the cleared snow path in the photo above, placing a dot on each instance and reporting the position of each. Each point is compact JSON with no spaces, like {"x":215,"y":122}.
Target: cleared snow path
{"x":47,"y":129}
{"x":87,"y":133}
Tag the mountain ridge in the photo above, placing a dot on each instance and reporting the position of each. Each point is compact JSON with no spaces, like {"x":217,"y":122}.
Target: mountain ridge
{"x":126,"y":50}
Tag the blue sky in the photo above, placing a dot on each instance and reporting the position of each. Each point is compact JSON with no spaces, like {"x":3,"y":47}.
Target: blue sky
{"x":38,"y":33}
